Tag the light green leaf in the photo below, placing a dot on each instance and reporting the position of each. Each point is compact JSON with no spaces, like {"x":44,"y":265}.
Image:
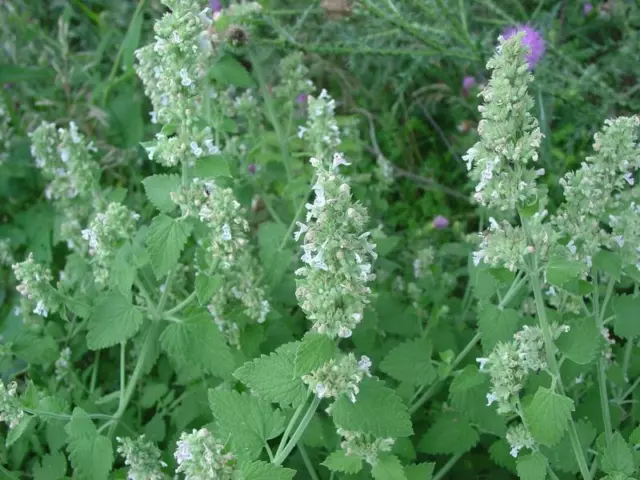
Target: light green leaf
{"x":548,"y":415}
{"x":410,"y":362}
{"x":313,"y":351}
{"x":561,"y":270}
{"x":248,"y":421}
{"x":114,"y":320}
{"x":560,"y":456}
{"x":16,"y":432}
{"x":275,"y":260}
{"x":159,"y":188}
{"x":627,"y":310}
{"x":581,"y":343}
{"x":609,"y":263}
{"x":388,"y":467}
{"x":378,"y":411}
{"x":165,"y":241}
{"x":151,"y":393}
{"x":197,"y":342}
{"x":35,"y":349}
{"x":205,"y":287}
{"x":212,"y":166}
{"x":634,"y":437}
{"x":617,"y":457}
{"x":496,"y":325}
{"x":532,"y":466}
{"x":449,"y":435}
{"x":228,"y":71}
{"x":91,"y":454}
{"x":265,"y":471}
{"x":421,"y":471}
{"x":124,"y":270}
{"x":52,"y":467}
{"x":132,"y":40}
{"x":273,"y":377}
{"x":339,"y":461}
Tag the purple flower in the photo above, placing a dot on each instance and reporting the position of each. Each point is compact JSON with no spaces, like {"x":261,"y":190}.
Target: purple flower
{"x":252,"y":168}
{"x":586,"y":10}
{"x":468,"y":83}
{"x":440,"y":222}
{"x":532,"y":40}
{"x":216,"y":5}
{"x":302,"y":99}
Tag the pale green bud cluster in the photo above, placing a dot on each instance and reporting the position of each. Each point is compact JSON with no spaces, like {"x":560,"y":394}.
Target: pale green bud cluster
{"x":339,"y":377}
{"x":365,"y":446}
{"x":596,"y":194}
{"x":510,"y":363}
{"x":63,"y":363}
{"x":6,"y":255}
{"x":142,"y":458}
{"x":6,"y":132}
{"x":509,"y":134}
{"x":201,"y":456}
{"x":105,"y":234}
{"x":192,"y":143}
{"x":10,"y":411}
{"x":294,"y":78}
{"x":227,"y":246}
{"x":423,"y":261}
{"x":332,"y":289}
{"x":518,"y":437}
{"x":35,"y":287}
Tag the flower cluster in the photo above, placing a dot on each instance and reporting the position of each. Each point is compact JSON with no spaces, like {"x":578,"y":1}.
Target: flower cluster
{"x":6,"y":255}
{"x":332,"y":289}
{"x":6,"y":132}
{"x":294,"y":75}
{"x":364,"y":446}
{"x":531,"y":40}
{"x":509,"y":134}
{"x":599,"y":210}
{"x":339,"y":377}
{"x":510,"y":363}
{"x":518,"y":437}
{"x":104,"y":234}
{"x":142,"y":458}
{"x":423,"y":261}
{"x":227,"y":246}
{"x":200,"y":455}
{"x":10,"y":411}
{"x":63,"y":363}
{"x":35,"y":288}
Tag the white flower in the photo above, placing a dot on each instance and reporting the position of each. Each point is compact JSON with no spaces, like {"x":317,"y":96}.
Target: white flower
{"x":482,"y":361}
{"x":338,"y":159}
{"x":226,"y":232}
{"x":41,"y":309}
{"x":491,"y":397}
{"x":303,"y":230}
{"x":195,"y":149}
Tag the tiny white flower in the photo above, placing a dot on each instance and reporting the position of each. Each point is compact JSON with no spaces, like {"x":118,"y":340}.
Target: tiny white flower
{"x":226,"y":232}
{"x":514,"y":451}
{"x":491,"y":397}
{"x":41,"y":309}
{"x":482,"y":361}
{"x":195,"y":149}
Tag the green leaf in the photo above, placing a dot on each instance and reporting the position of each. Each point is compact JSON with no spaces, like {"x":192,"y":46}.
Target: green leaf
{"x":388,"y":467}
{"x":496,"y":325}
{"x":165,"y":241}
{"x":421,"y":471}
{"x":532,"y":466}
{"x":273,"y":377}
{"x":561,"y":270}
{"x":634,"y":438}
{"x":212,"y":166}
{"x":449,"y":435}
{"x":248,"y":421}
{"x":581,"y":343}
{"x":617,"y":457}
{"x":159,"y":188}
{"x":548,"y":416}
{"x":378,"y":411}
{"x":265,"y":471}
{"x":35,"y":349}
{"x":410,"y":362}
{"x":91,"y":454}
{"x":275,"y":260}
{"x":114,"y":320}
{"x":313,"y":352}
{"x":627,"y":321}
{"x":132,"y":40}
{"x":124,"y":269}
{"x":151,"y":393}
{"x":609,"y":263}
{"x":16,"y":432}
{"x":339,"y":461}
{"x":228,"y":71}
{"x":197,"y":342}
{"x":205,"y":287}
{"x":10,"y":73}
{"x":560,"y":455}
{"x":52,"y":467}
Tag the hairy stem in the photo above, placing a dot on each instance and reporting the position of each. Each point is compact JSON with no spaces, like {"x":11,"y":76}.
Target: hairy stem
{"x":602,"y":375}
{"x":282,"y":456}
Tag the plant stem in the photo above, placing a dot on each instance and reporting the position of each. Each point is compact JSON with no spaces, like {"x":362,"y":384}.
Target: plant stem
{"x":181,"y":305}
{"x":94,"y":372}
{"x":282,"y":456}
{"x":447,"y":466}
{"x":64,"y":416}
{"x":292,"y":422}
{"x":602,"y":375}
{"x":307,"y":462}
{"x":123,"y":370}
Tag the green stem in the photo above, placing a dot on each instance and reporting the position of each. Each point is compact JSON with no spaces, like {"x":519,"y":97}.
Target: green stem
{"x":631,"y":389}
{"x":601,"y":368}
{"x":181,"y":305}
{"x":282,"y":456}
{"x":63,"y":416}
{"x":307,"y":462}
{"x":94,"y":372}
{"x":287,"y":432}
{"x":626,"y":359}
{"x":123,"y":370}
{"x":447,"y":466}
{"x":165,"y":292}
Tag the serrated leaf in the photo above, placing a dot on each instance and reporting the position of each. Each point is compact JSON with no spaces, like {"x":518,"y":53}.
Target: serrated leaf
{"x":609,"y":263}
{"x":206,"y":286}
{"x":582,"y":342}
{"x":532,"y":466}
{"x":561,"y":270}
{"x":496,"y":325}
{"x":272,"y":377}
{"x":421,"y":471}
{"x":617,"y":457}
{"x":165,"y":240}
{"x":91,"y":454}
{"x":548,"y":415}
{"x":35,"y":349}
{"x":16,"y":432}
{"x":52,"y":467}
{"x":313,"y":351}
{"x":151,"y":393}
{"x":197,"y":342}
{"x":378,"y":411}
{"x":114,"y":320}
{"x":388,"y":467}
{"x":627,"y":321}
{"x":560,"y":455}
{"x":265,"y":471}
{"x":339,"y":461}
{"x":499,"y":452}
{"x":158,"y":189}
{"x":410,"y":362}
{"x":449,"y":435}
{"x":212,"y":166}
{"x":248,"y":421}
{"x":228,"y":71}
{"x":124,"y":270}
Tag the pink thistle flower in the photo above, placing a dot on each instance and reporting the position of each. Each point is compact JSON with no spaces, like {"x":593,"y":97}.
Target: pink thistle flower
{"x":532,"y":40}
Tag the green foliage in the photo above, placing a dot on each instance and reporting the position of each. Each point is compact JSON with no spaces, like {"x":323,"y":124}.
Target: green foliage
{"x":114,"y":320}
{"x":450,"y":435}
{"x":410,"y":362}
{"x":158,"y":189}
{"x":165,"y":241}
{"x":532,"y":467}
{"x":548,"y":415}
{"x":339,"y":461}
{"x":90,"y":453}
